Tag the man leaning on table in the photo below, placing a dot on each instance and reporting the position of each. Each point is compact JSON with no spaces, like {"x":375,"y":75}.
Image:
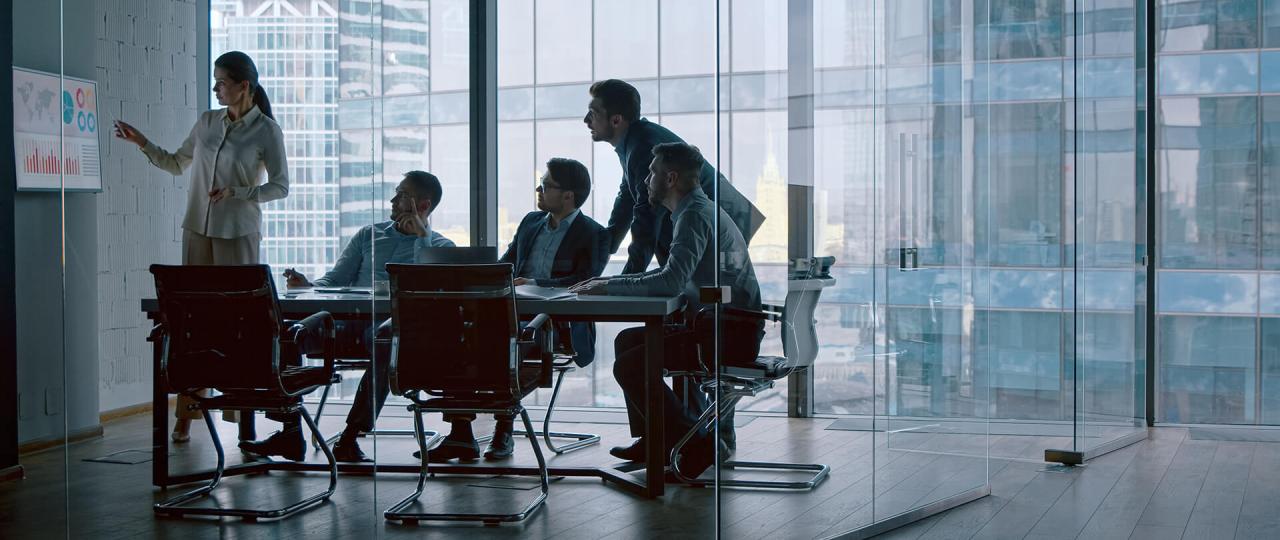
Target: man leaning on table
{"x":555,"y":246}
{"x":692,"y":263}
{"x":363,"y":261}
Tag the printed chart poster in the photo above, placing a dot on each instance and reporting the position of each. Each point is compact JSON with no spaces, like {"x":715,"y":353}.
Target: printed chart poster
{"x":42,"y":107}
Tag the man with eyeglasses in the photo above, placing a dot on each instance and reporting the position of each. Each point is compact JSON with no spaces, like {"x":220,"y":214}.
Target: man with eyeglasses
{"x":556,"y":246}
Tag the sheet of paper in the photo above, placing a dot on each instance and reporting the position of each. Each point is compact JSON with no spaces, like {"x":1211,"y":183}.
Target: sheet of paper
{"x":543,"y":293}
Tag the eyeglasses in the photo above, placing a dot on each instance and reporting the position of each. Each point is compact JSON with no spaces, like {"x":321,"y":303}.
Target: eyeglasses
{"x":543,"y":187}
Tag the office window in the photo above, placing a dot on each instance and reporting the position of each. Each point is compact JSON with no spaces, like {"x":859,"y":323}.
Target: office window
{"x":1207,"y":172}
{"x":1201,"y":25}
{"x":1207,"y":369}
{"x":1019,"y":186}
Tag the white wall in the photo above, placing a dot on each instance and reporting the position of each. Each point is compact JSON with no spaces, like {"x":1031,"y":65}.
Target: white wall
{"x":147,"y":68}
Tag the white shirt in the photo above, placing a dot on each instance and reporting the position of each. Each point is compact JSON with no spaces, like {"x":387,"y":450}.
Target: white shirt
{"x":233,"y":155}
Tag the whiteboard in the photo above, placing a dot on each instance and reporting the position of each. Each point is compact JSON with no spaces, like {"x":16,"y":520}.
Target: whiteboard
{"x":48,"y":112}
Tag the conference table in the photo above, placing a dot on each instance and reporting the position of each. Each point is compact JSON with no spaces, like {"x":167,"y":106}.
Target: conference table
{"x":652,"y":312}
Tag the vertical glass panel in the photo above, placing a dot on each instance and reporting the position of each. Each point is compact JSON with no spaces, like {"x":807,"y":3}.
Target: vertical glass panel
{"x":515,"y":45}
{"x":1201,"y":25}
{"x":1269,"y":341}
{"x":1020,"y":148}
{"x":564,"y":50}
{"x":1270,"y":23}
{"x":1269,"y":195}
{"x":1206,"y":165}
{"x":930,"y":424}
{"x":54,"y":372}
{"x":631,"y":53}
{"x":1207,"y":369}
{"x":694,"y":22}
{"x":1018,"y":29}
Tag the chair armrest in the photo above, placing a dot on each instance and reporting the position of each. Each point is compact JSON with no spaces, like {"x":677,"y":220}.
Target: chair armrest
{"x":157,"y":333}
{"x":319,"y":323}
{"x":527,"y":333}
{"x":734,"y":313}
{"x":546,"y":361}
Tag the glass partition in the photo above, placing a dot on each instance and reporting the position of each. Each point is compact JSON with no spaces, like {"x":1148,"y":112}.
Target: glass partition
{"x":1105,"y":175}
{"x":54,"y":332}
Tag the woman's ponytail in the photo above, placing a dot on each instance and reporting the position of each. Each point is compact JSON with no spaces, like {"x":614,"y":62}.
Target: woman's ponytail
{"x":260,"y":99}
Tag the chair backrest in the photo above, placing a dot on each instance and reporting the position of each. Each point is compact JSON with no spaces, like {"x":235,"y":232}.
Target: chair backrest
{"x":453,"y":330}
{"x":799,"y":326}
{"x":221,"y":327}
{"x":458,"y":255}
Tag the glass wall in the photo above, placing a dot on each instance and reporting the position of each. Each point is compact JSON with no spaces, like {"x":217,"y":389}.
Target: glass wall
{"x":1216,"y":210}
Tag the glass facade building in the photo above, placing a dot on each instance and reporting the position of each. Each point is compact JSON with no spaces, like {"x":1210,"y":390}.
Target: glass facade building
{"x":294,"y":45}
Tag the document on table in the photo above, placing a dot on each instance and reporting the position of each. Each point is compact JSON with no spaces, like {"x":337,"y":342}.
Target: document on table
{"x":343,"y":290}
{"x":534,"y":292}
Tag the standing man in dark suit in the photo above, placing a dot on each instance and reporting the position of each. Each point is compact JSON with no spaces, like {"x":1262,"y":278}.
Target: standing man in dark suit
{"x":613,"y":116}
{"x":557,"y":246}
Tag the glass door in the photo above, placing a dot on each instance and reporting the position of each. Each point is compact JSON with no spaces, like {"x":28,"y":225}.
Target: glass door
{"x":1104,"y":173}
{"x":931,"y":412}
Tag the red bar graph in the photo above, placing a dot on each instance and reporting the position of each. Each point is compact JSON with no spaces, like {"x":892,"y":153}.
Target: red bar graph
{"x":39,"y":160}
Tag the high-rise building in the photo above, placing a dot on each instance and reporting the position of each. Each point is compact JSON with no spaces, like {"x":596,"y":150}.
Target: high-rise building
{"x":294,"y":44}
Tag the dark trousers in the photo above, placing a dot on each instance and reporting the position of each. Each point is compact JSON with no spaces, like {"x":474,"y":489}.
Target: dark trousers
{"x":354,"y":339}
{"x":680,"y":353}
{"x":375,"y":383}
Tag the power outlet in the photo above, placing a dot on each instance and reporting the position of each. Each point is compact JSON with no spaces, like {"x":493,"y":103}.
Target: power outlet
{"x":53,"y":400}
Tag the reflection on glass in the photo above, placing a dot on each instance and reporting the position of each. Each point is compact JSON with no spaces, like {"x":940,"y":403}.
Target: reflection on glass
{"x":1207,"y":369}
{"x":1020,"y":150}
{"x":1206,"y":166}
{"x":1227,"y":73}
{"x":1201,"y":25}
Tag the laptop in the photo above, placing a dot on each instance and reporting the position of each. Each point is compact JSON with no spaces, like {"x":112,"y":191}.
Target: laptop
{"x":458,"y":255}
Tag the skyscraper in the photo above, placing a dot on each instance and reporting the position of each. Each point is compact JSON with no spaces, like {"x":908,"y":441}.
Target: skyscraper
{"x":294,"y":44}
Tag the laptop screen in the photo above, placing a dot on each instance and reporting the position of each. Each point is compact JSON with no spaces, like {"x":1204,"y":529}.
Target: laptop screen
{"x":459,"y":255}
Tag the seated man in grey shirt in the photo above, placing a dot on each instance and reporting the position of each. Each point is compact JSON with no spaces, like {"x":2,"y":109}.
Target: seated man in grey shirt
{"x":362,"y":262}
{"x":692,"y":264}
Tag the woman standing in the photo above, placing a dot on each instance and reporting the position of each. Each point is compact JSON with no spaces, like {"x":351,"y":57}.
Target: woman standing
{"x":231,"y":148}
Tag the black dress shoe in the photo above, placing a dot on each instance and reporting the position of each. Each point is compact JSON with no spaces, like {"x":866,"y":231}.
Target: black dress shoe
{"x":697,"y":455}
{"x":635,"y":452}
{"x":349,"y":452}
{"x":452,"y":449}
{"x":502,"y":445}
{"x":288,"y":444}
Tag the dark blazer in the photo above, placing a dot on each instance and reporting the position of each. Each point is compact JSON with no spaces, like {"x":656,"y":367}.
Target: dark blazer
{"x":650,"y":227}
{"x":582,"y":255}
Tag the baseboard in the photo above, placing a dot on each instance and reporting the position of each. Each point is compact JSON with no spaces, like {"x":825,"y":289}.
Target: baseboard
{"x":124,"y":412}
{"x":40,"y":445}
{"x":9,"y":474}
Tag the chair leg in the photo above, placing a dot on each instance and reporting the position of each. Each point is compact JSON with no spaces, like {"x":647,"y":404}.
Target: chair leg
{"x":172,"y":507}
{"x":397,"y":513}
{"x":731,"y":398}
{"x":580,"y":440}
{"x":316,"y":442}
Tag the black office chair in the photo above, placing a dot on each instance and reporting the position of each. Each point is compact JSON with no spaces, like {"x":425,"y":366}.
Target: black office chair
{"x":741,"y":379}
{"x":455,"y":338}
{"x":355,"y":358}
{"x":220,"y":328}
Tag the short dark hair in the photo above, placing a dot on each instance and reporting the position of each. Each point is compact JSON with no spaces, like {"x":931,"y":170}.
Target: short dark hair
{"x":572,"y":176}
{"x":683,"y":158}
{"x":425,"y":183}
{"x":618,"y":97}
